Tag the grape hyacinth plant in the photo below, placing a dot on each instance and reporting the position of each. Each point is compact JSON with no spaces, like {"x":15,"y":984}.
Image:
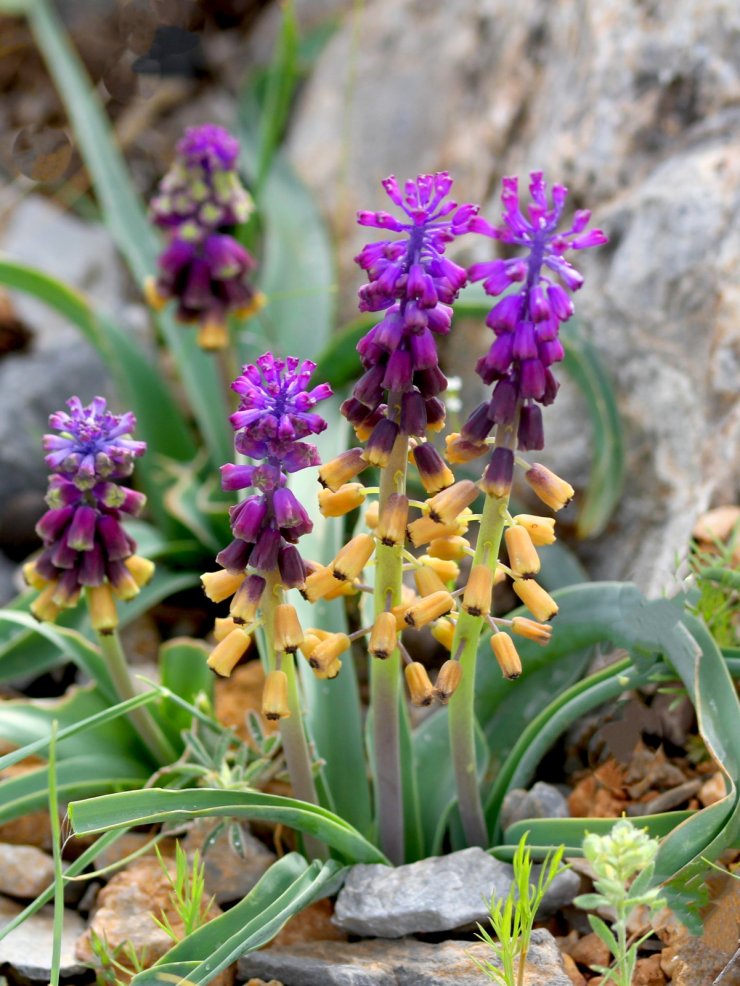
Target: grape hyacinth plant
{"x":203,"y":267}
{"x":263,"y":560}
{"x":86,"y":549}
{"x":396,"y":408}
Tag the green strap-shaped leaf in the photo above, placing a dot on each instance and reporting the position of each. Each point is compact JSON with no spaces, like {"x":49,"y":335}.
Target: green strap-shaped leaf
{"x":184,"y":671}
{"x":288,"y":886}
{"x":155,"y":805}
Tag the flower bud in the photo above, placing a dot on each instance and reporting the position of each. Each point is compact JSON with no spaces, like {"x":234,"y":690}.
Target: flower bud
{"x":540,"y":529}
{"x":450,"y":548}
{"x":499,"y":474}
{"x":141,"y":569}
{"x":220,"y":585}
{"x":339,"y":588}
{"x":222,"y":627}
{"x":540,"y":603}
{"x":551,"y":489}
{"x":102,"y":608}
{"x":246,"y":600}
{"x":328,"y":650}
{"x":33,"y":577}
{"x":392,"y":520}
{"x":539,"y":632}
{"x":372,"y":514}
{"x":446,"y":506}
{"x":122,"y":581}
{"x":448,"y":679}
{"x":383,"y":636}
{"x":424,"y":530}
{"x":346,"y":498}
{"x":443,"y":632}
{"x":448,"y":571}
{"x":318,"y":584}
{"x":433,"y":472}
{"x":420,"y":687}
{"x":380,"y":444}
{"x":523,"y":557}
{"x":228,"y":652}
{"x":477,"y":595}
{"x":330,"y":671}
{"x":429,"y":608}
{"x":427,"y":581}
{"x":43,"y":607}
{"x":506,"y":654}
{"x":287,"y":629}
{"x":275,"y":696}
{"x":352,"y":558}
{"x":341,"y":470}
{"x":461,"y":450}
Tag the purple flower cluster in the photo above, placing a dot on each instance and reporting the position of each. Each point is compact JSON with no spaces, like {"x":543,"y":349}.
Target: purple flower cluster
{"x":199,"y":202}
{"x":412,"y":281}
{"x":84,"y":541}
{"x":526,"y":322}
{"x":275,"y":414}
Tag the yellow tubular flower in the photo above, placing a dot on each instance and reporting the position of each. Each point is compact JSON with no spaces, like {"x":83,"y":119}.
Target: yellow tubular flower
{"x":478,"y":591}
{"x":448,"y":679}
{"x":429,"y":608}
{"x":383,"y":636}
{"x":551,"y":489}
{"x":540,"y":529}
{"x":346,"y":498}
{"x":275,"y":696}
{"x":506,"y":654}
{"x":228,"y":652}
{"x":523,"y":556}
{"x":420,"y":687}
{"x":539,"y":602}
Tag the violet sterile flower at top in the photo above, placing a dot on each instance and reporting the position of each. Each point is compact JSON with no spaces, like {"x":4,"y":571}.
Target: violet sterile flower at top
{"x":526,"y":322}
{"x":412,"y":281}
{"x":275,"y":414}
{"x":198,"y":204}
{"x":85,"y":545}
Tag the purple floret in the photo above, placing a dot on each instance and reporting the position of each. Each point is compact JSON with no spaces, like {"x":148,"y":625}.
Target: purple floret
{"x":209,"y":146}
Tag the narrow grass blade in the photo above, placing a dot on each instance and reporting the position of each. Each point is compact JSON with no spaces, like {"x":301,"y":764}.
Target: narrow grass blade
{"x":56,"y":848}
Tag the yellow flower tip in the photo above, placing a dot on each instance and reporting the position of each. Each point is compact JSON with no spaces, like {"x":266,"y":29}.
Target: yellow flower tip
{"x":43,"y":608}
{"x":499,"y":576}
{"x":328,"y":650}
{"x":434,"y":474}
{"x":523,"y":557}
{"x":372,"y":514}
{"x":363,"y":431}
{"x":448,"y":571}
{"x":246,"y":600}
{"x":428,"y":581}
{"x":318,"y":584}
{"x":506,"y":654}
{"x":549,"y":487}
{"x":459,"y":450}
{"x":141,"y":569}
{"x":446,"y":507}
{"x":329,"y":672}
{"x":353,"y":557}
{"x":391,"y":527}
{"x":450,"y":548}
{"x":223,"y":626}
{"x":341,"y":470}
{"x":212,"y":335}
{"x":540,"y":529}
{"x":228,"y":652}
{"x":443,"y":632}
{"x":220,"y":585}
{"x":447,"y":681}
{"x":124,"y":585}
{"x":348,"y":588}
{"x":424,"y":530}
{"x":429,"y":608}
{"x":102,"y":608}
{"x":258,"y":302}
{"x":539,"y":602}
{"x":65,"y":598}
{"x":152,"y":295}
{"x":288,"y":635}
{"x":346,"y":498}
{"x":477,"y":595}
{"x":539,"y":632}
{"x":32,"y":577}
{"x":421,"y":690}
{"x":275,"y":696}
{"x":383,"y":636}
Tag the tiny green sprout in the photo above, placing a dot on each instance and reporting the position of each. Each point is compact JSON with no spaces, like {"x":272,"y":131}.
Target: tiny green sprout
{"x":623,"y":862}
{"x":187,"y":889}
{"x":110,"y":960}
{"x":512,"y":917}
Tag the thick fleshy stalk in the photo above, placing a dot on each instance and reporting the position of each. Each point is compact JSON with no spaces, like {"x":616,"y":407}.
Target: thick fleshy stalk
{"x":385,"y":676}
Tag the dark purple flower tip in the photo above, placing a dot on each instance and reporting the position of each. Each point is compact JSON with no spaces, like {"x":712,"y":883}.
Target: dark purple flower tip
{"x":530,"y":434}
{"x":208,"y":146}
{"x":291,"y":567}
{"x":499,"y":474}
{"x":236,"y":477}
{"x":81,"y":533}
{"x":289,"y":512}
{"x":92,"y":443}
{"x":117,"y":545}
{"x":248,"y":518}
{"x":413,"y":413}
{"x":265,"y":555}
{"x":502,"y":407}
{"x":478,"y":426}
{"x":235,"y":557}
{"x":380,"y":444}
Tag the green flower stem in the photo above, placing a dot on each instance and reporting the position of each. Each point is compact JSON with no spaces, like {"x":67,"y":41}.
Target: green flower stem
{"x":385,"y":676}
{"x":462,"y":703}
{"x":158,"y":744}
{"x":292,"y":728}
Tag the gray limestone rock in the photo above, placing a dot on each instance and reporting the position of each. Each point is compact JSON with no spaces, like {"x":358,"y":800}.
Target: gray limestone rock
{"x":25,"y":871}
{"x":397,"y":963}
{"x":541,"y":801}
{"x":27,"y":949}
{"x":441,"y":893}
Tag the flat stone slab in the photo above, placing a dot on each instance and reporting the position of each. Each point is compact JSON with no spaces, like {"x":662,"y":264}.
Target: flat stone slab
{"x":27,"y":950}
{"x":441,"y":893}
{"x":405,"y":962}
